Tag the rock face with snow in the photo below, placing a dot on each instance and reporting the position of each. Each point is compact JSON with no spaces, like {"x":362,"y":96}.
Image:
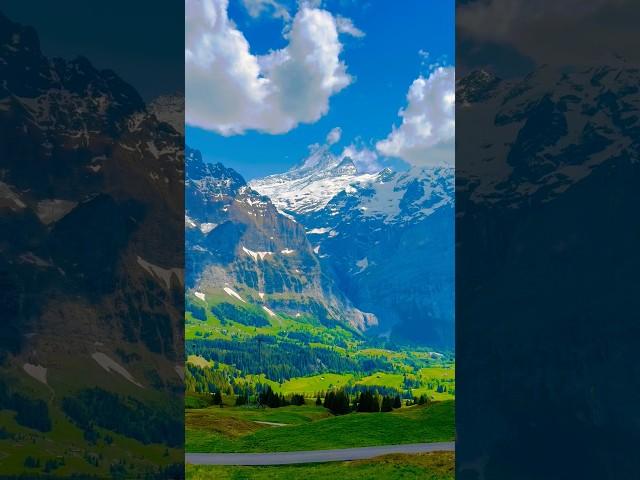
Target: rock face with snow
{"x":91,"y":210}
{"x":546,"y":199}
{"x":238,"y":242}
{"x":386,"y":237}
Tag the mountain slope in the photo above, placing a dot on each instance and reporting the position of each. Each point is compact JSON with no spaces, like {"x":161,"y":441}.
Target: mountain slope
{"x":547,"y":205}
{"x":386,"y":237}
{"x":238,"y":244}
{"x":90,"y":254}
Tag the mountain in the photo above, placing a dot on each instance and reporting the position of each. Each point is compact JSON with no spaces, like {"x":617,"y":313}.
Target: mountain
{"x":387,"y":238}
{"x":240,"y":247}
{"x":91,"y":255}
{"x":547,"y":263}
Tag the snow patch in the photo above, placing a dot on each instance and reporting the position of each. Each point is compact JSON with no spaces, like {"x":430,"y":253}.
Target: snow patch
{"x":319,"y":231}
{"x":50,"y":211}
{"x":362,"y":264}
{"x":160,"y":273}
{"x":111,"y":365}
{"x":207,"y":227}
{"x":269,"y":311}
{"x":287,"y":251}
{"x":256,"y":255}
{"x":29,"y":257}
{"x":36,"y":371}
{"x":189,"y":223}
{"x":201,"y":296}
{"x":261,"y":295}
{"x":6,"y":192}
{"x":233,"y":293}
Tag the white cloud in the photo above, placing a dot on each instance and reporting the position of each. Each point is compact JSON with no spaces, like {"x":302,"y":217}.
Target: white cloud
{"x":229,"y":90}
{"x":334,"y":135}
{"x":365,"y":160}
{"x":426,"y":135}
{"x":345,"y":25}
{"x":255,"y":8}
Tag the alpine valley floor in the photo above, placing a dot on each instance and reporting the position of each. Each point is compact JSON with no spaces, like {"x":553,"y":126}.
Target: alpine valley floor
{"x":236,"y":370}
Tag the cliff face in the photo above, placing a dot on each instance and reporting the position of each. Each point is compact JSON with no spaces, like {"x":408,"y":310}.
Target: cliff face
{"x":237,"y":239}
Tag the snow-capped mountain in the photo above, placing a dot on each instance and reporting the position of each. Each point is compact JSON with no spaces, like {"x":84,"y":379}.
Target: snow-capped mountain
{"x":169,"y":109}
{"x":239,"y":245}
{"x":387,"y":238}
{"x":91,"y":212}
{"x":547,"y":238}
{"x":310,"y":186}
{"x":544,"y":132}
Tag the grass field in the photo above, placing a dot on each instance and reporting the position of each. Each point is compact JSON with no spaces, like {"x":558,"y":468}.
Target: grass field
{"x":428,"y":466}
{"x":309,"y":386}
{"x":235,"y":429}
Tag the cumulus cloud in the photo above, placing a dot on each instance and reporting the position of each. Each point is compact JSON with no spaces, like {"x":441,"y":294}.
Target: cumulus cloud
{"x":229,"y":90}
{"x":426,"y":134}
{"x":365,"y":160}
{"x":334,"y":135}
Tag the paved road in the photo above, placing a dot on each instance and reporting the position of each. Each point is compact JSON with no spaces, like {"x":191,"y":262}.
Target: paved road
{"x":313,"y":456}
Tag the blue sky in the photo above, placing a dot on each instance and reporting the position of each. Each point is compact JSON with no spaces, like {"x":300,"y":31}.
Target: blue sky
{"x":382,"y":65}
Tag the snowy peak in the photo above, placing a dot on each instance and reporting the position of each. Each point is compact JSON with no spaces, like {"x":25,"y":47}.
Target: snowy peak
{"x":169,"y":109}
{"x":544,"y":132}
{"x":210,"y":180}
{"x":309,"y":187}
{"x":346,"y":167}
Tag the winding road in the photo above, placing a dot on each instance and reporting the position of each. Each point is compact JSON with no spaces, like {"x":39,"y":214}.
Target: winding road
{"x":314,"y":456}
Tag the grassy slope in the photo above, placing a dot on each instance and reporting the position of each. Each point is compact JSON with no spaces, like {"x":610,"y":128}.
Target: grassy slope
{"x":66,"y":439}
{"x":229,"y":430}
{"x":430,"y":466}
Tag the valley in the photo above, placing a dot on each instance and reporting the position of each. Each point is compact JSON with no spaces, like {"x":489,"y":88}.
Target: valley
{"x":321,"y":324}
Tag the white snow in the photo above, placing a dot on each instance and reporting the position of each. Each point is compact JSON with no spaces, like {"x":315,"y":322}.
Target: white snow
{"x":189,"y":223}
{"x":233,"y":293}
{"x":201,"y":296}
{"x":50,"y":211}
{"x":261,"y":295}
{"x":362,"y":264}
{"x":160,"y":273}
{"x":6,"y":192}
{"x":29,"y":257}
{"x":36,"y":371}
{"x":316,"y":249}
{"x":207,"y":227}
{"x":287,"y":251}
{"x":256,"y":255}
{"x":269,"y":311}
{"x":111,"y":365}
{"x":308,"y":188}
{"x":318,"y":231}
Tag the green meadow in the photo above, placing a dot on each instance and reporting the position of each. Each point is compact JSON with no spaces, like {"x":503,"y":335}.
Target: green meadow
{"x":428,"y":466}
{"x":239,"y":429}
